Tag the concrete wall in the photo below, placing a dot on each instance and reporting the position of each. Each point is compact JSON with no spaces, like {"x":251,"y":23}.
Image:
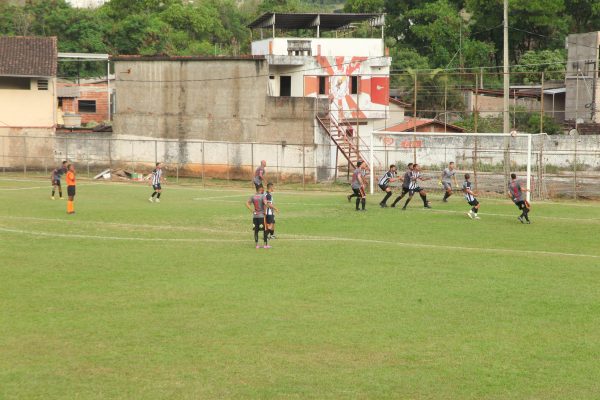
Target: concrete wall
{"x":581,"y":79}
{"x":223,"y":100}
{"x":557,"y":150}
{"x":323,"y":46}
{"x":31,"y":108}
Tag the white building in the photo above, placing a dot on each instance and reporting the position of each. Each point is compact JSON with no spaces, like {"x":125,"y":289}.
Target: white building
{"x":87,"y":3}
{"x":353,"y":73}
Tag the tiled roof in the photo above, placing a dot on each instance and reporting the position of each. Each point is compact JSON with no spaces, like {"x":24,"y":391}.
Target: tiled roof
{"x":409,"y":124}
{"x":28,"y":56}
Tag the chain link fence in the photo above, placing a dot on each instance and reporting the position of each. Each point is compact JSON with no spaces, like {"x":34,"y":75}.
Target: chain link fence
{"x":562,"y":165}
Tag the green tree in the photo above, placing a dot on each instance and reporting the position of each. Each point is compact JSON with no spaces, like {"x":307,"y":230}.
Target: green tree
{"x":534,"y":24}
{"x":533,"y":63}
{"x":585,"y":15}
{"x":364,"y":6}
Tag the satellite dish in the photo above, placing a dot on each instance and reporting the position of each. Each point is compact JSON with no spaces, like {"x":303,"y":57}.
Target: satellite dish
{"x":513,"y":133}
{"x":573,"y":132}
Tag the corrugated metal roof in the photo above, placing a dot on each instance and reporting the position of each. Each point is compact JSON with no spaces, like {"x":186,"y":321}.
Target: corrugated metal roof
{"x":327,"y":21}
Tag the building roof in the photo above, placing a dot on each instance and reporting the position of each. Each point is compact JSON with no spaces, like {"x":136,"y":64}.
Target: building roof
{"x":409,"y":124}
{"x":312,"y":20}
{"x":28,"y":56}
{"x":187,"y":58}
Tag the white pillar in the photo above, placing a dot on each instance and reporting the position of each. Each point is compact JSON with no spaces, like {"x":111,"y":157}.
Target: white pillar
{"x":529,"y":142}
{"x":372,"y":172}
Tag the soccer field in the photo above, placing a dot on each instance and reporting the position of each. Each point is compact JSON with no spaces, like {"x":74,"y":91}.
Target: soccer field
{"x":136,"y":300}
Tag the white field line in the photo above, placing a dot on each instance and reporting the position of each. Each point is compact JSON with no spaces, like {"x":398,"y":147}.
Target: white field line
{"x":533,"y":215}
{"x":98,"y":237}
{"x":27,"y":188}
{"x":308,"y":238}
{"x":123,"y":225}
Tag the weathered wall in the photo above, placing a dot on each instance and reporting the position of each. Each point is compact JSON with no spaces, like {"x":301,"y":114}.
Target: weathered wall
{"x":209,"y":99}
{"x":31,"y":147}
{"x":558,"y":150}
{"x":31,"y":108}
{"x":580,"y":77}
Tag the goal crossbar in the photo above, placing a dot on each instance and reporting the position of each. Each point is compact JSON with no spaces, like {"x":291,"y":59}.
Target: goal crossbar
{"x":529,"y":137}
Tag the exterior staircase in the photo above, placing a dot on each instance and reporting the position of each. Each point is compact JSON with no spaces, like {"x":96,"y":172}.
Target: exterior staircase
{"x":352,"y":148}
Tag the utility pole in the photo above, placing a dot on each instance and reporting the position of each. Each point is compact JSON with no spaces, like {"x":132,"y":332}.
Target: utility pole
{"x":505,"y":113}
{"x":506,"y":124}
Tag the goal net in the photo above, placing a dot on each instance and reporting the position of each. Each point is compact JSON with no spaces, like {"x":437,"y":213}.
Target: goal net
{"x":489,"y":158}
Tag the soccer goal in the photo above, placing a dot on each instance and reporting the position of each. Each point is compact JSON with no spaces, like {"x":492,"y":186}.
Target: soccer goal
{"x":490,"y":158}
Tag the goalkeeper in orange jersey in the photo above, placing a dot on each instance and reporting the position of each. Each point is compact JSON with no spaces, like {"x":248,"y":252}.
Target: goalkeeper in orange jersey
{"x":70,"y":188}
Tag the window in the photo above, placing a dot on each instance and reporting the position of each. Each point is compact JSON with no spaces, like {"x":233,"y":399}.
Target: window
{"x":322,"y":85}
{"x":87,"y":106}
{"x":42,"y":84}
{"x":9,"y":82}
{"x":285,"y":86}
{"x":354,"y":85}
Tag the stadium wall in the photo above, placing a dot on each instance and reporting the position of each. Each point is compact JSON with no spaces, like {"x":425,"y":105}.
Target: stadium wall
{"x":217,"y":99}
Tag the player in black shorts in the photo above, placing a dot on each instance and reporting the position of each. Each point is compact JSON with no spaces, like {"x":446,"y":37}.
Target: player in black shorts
{"x":384,"y":184}
{"x":55,"y":179}
{"x":405,"y":184}
{"x":414,"y":187}
{"x":270,"y":212}
{"x":467,"y":188}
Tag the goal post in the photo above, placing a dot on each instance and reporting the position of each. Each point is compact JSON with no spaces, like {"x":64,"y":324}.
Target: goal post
{"x":482,"y":154}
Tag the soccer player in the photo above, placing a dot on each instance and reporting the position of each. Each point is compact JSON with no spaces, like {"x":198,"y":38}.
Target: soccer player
{"x":55,"y":178}
{"x":270,"y":212}
{"x":70,"y":188}
{"x":414,"y":187}
{"x":405,"y":184}
{"x":515,"y":192}
{"x":257,"y":205}
{"x":260,"y":175}
{"x":470,"y":197}
{"x":448,"y":175}
{"x":155,"y":180}
{"x":384,"y":182}
{"x":358,"y":185}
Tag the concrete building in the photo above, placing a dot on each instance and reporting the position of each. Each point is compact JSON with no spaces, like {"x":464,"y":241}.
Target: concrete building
{"x":351,"y":73}
{"x":411,"y":124}
{"x":27,"y":84}
{"x":582,"y":88}
{"x":87,"y":3}
{"x":88,"y":99}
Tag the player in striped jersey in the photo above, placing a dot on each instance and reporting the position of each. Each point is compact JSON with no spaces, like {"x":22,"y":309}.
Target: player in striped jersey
{"x":515,"y":192}
{"x":467,"y":189}
{"x":155,"y":180}
{"x":384,"y":184}
{"x":358,"y":185}
{"x":414,"y":187}
{"x":405,"y":184}
{"x":257,"y":204}
{"x":270,"y":212}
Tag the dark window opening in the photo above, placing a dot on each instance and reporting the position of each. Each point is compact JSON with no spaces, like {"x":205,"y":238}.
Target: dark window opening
{"x":322,"y":85}
{"x":87,"y":106}
{"x":285,"y":86}
{"x":271,"y":76}
{"x":354,"y":85}
{"x":42,"y":84}
{"x":14,"y":83}
{"x":60,"y":102}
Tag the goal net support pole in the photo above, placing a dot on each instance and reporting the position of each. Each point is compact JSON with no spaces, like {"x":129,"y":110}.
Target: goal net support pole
{"x":449,"y":135}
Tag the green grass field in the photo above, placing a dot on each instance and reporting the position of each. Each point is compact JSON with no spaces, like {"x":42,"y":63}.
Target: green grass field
{"x":132,"y":300}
